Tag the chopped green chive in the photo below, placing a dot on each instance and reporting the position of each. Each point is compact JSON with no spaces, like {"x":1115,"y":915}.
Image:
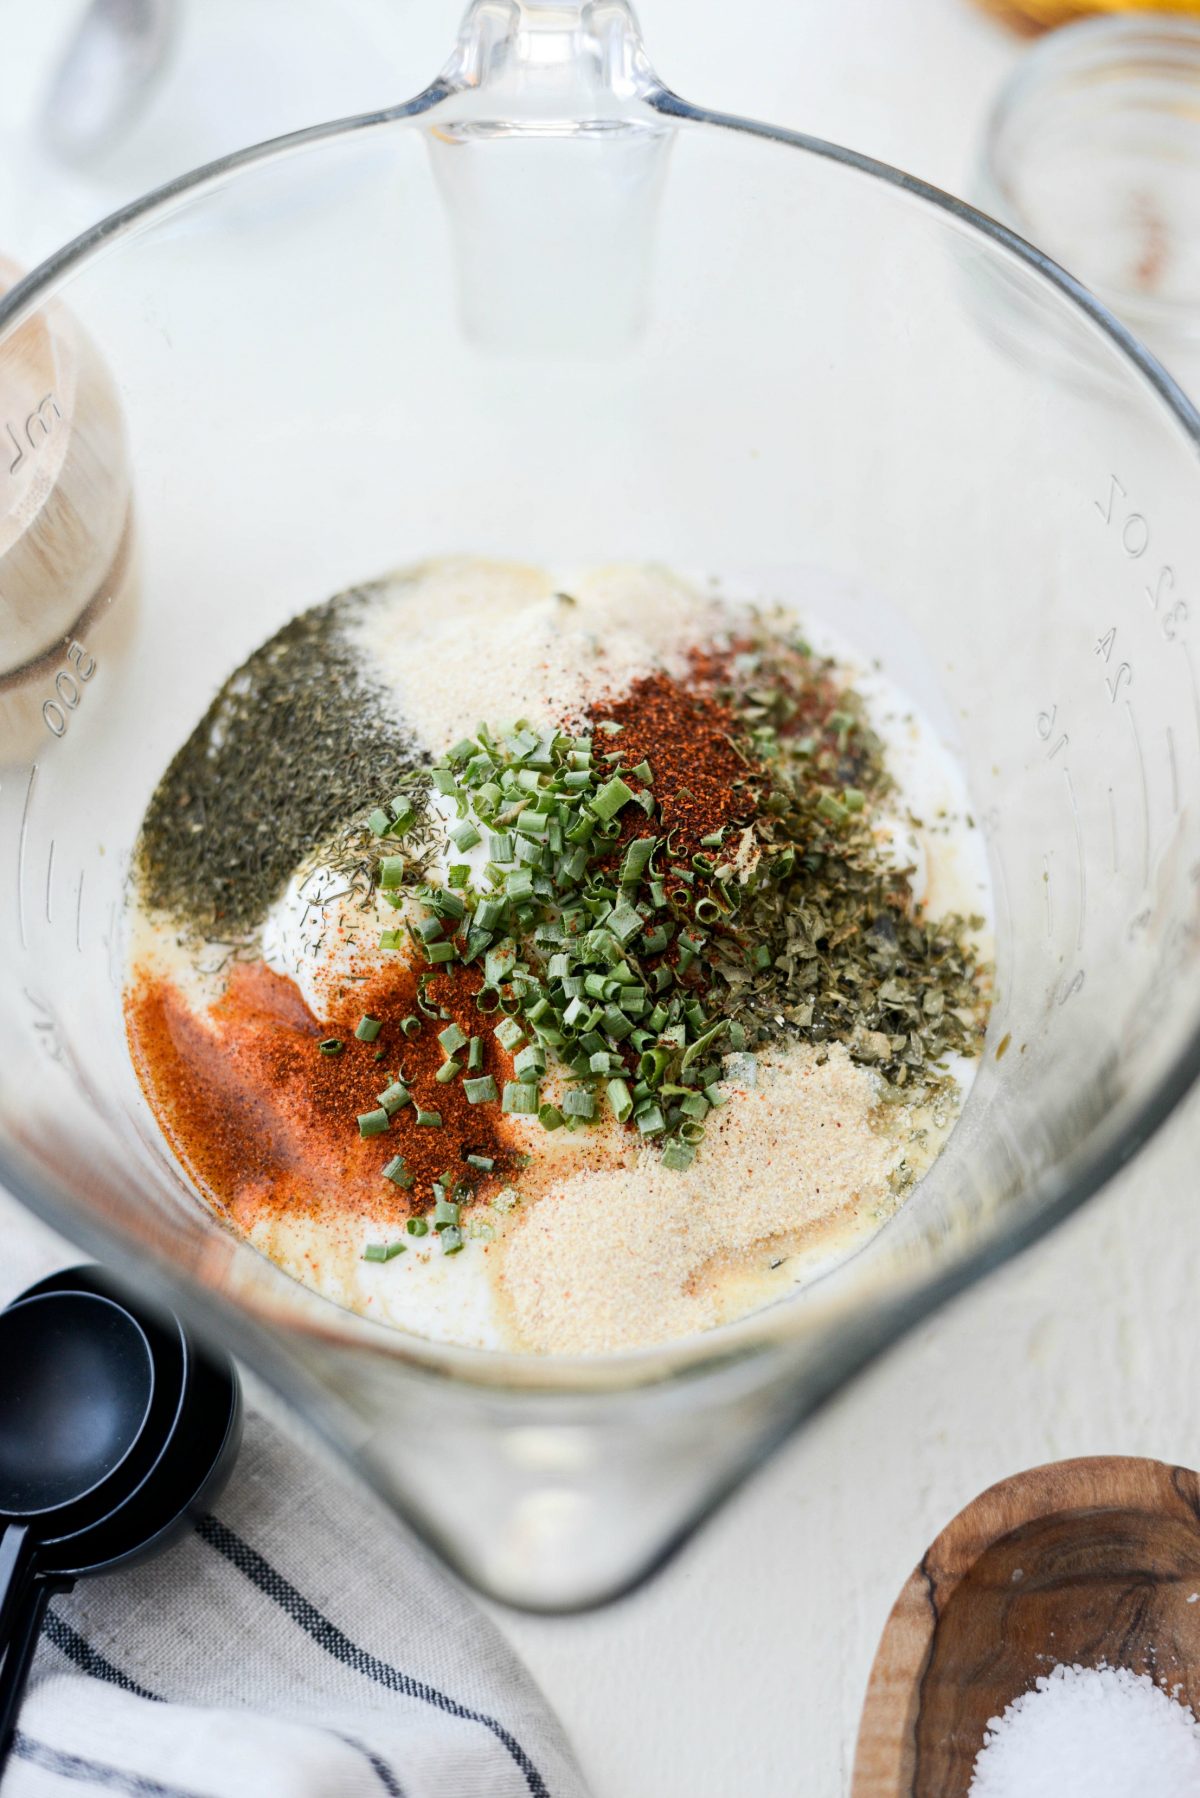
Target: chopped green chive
{"x":394,"y":1097}
{"x":650,"y":1121}
{"x":397,"y":1172}
{"x":372,"y":1123}
{"x":379,"y":823}
{"x":624,"y":922}
{"x":620,"y":1099}
{"x":530,"y":1062}
{"x":452,"y":1039}
{"x":481,"y":1091}
{"x":637,"y":859}
{"x":612,"y":796}
{"x":832,"y":810}
{"x":429,"y":1120}
{"x":383,"y":1251}
{"x":519,"y":1097}
{"x":367,"y":1029}
{"x":510,"y":1034}
{"x":464,"y":835}
{"x":330,"y":1045}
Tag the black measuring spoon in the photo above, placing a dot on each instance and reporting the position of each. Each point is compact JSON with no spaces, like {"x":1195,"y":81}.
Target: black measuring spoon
{"x":75,"y":1399}
{"x":196,"y":1446}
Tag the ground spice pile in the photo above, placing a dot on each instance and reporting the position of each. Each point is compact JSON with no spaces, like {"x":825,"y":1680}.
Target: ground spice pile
{"x":266,"y":1119}
{"x":702,"y":783}
{"x":291,"y":748}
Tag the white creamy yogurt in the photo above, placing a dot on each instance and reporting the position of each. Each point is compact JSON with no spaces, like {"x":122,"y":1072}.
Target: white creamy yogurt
{"x":318,"y":928}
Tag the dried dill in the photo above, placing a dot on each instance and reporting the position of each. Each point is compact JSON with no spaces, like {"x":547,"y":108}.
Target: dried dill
{"x":297,"y":743}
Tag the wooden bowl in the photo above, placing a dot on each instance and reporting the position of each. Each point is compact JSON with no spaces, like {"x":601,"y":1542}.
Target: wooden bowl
{"x":1084,"y":1561}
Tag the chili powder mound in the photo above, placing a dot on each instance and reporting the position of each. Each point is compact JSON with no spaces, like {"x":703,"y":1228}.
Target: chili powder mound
{"x":701,"y":782}
{"x":267,"y":1124}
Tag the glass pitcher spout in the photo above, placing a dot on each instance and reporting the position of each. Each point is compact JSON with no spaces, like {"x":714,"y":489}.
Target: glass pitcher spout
{"x":549,"y":159}
{"x":565,"y":63}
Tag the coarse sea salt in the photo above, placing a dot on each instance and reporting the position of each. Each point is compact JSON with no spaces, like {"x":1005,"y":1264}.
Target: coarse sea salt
{"x":1090,"y":1732}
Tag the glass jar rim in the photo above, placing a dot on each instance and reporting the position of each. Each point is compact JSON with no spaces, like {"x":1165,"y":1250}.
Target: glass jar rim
{"x":1127,"y":51}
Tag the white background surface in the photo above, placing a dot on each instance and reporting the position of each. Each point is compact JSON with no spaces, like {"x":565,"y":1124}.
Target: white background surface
{"x":742,"y":1670}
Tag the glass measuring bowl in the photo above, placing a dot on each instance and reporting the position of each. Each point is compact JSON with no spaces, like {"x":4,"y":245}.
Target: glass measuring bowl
{"x":548,"y":309}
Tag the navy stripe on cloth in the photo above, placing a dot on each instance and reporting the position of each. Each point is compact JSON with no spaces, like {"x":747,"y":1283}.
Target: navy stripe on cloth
{"x":328,"y":1636}
{"x":382,"y":1771}
{"x":89,"y":1660}
{"x":95,"y":1773}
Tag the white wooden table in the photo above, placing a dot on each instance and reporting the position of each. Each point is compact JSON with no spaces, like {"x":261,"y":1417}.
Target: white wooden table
{"x":741,"y":1671}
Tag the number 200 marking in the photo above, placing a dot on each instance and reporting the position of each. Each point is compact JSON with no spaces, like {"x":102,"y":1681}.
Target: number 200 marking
{"x":67,"y":686}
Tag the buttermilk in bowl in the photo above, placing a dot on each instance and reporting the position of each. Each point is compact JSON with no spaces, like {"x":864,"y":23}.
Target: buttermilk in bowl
{"x":564,"y":964}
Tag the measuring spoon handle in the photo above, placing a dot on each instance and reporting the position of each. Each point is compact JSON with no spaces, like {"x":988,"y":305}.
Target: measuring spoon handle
{"x":18,"y":1660}
{"x":17,"y":1549}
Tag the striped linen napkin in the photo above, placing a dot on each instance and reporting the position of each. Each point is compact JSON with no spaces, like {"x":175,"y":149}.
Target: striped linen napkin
{"x":297,"y":1643}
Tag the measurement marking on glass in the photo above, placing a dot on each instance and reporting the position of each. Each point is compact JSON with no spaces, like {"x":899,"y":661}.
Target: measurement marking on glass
{"x":1174,"y":769}
{"x":1112,"y":831}
{"x":79,"y":912}
{"x":50,"y":882}
{"x":1049,"y":898}
{"x":1141,"y":761}
{"x":1078,"y":858}
{"x":22,"y":835}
